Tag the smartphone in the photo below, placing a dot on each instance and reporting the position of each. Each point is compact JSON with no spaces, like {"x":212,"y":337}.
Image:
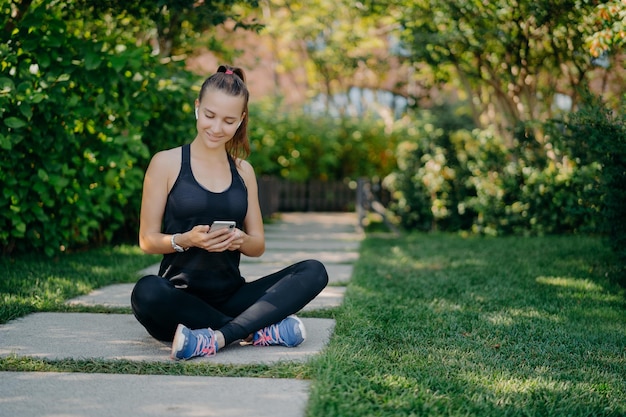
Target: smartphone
{"x":223,"y":224}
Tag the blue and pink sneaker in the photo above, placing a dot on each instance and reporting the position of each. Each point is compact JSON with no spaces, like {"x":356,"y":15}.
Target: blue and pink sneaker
{"x":289,"y":332}
{"x":189,"y":343}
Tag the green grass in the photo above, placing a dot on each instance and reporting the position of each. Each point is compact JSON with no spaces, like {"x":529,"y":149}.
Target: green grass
{"x":441,"y":325}
{"x":37,"y":283}
{"x":436,"y":325}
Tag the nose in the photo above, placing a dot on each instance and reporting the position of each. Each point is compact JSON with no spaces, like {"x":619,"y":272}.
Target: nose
{"x":217,"y":126}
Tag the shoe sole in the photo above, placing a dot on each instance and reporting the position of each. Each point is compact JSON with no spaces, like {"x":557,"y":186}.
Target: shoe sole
{"x":179,"y":341}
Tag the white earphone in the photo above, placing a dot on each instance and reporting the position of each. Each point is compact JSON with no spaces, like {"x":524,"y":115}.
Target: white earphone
{"x":196,"y":113}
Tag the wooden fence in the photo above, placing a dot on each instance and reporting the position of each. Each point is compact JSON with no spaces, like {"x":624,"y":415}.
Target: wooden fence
{"x":278,"y":195}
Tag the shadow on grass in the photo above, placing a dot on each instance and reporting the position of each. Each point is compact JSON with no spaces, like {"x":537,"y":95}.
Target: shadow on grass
{"x":442,"y":325}
{"x":40,"y":283}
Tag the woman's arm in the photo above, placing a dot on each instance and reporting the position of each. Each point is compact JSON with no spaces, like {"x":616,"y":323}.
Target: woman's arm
{"x":252,"y":241}
{"x":161,"y":173}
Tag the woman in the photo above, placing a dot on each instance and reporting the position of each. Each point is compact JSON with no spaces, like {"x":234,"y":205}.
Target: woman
{"x":199,"y":300}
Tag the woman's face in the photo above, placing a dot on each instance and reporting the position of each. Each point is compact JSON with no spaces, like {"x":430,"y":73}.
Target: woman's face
{"x":219,"y":116}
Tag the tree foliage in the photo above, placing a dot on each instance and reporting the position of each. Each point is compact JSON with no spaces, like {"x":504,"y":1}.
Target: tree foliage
{"x":511,"y":57}
{"x":334,"y":41}
{"x":172,"y":24}
{"x":76,"y":99}
{"x":610,"y":20}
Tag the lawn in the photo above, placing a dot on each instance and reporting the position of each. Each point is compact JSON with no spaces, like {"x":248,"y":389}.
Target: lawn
{"x":432,"y":324}
{"x":441,"y":325}
{"x":38,"y":283}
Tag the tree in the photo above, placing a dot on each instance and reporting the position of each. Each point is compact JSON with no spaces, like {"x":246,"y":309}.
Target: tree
{"x":174,"y":23}
{"x":178,"y":21}
{"x":330,"y":44}
{"x":611,"y":19}
{"x":510,"y":58}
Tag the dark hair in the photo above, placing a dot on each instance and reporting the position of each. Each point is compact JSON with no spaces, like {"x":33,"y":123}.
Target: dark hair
{"x":232,"y":81}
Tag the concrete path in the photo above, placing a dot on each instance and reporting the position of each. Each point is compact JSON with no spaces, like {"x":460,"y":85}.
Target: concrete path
{"x":330,"y":238}
{"x":30,"y":394}
{"x":58,"y":336}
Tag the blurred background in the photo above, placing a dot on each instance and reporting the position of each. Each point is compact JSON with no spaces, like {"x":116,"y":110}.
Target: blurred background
{"x":491,"y":117}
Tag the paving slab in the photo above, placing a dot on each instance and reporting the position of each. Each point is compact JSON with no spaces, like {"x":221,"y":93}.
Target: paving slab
{"x":337,"y":273}
{"x":46,"y":394}
{"x":331,"y":219}
{"x":276,"y":243}
{"x":310,"y":233}
{"x":291,"y":257}
{"x":58,"y":336}
{"x":118,"y":295}
{"x":326,"y":226}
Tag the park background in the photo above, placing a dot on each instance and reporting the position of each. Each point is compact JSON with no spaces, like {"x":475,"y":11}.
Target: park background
{"x":491,"y":118}
{"x":492,"y":131}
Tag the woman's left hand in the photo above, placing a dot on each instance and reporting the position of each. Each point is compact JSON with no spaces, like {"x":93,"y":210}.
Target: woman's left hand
{"x":238,"y":240}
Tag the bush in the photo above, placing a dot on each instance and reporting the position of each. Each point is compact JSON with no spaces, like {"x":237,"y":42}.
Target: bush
{"x":597,"y":133}
{"x":430,"y":185}
{"x":469,"y":180}
{"x":76,"y":107}
{"x":298,"y":146}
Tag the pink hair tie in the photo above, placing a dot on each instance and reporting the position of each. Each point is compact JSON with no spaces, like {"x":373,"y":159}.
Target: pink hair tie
{"x":228,"y":72}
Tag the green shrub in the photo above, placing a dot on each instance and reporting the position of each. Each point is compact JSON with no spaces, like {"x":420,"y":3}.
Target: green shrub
{"x":597,"y":135}
{"x":76,"y":105}
{"x":469,"y":180}
{"x":430,"y":186}
{"x":298,"y":146}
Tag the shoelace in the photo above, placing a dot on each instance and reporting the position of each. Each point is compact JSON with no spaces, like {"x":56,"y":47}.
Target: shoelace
{"x":205,"y":345}
{"x":265,"y":336}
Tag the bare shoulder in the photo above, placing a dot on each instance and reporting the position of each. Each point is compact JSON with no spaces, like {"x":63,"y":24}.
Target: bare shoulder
{"x":245,"y":167}
{"x":167,"y":158}
{"x":167,"y":161}
{"x":164,"y":168}
{"x":246,"y":170}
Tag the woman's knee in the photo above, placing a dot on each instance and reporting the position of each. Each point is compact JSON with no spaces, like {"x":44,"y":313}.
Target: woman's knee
{"x":316,"y":272}
{"x":146,"y":292}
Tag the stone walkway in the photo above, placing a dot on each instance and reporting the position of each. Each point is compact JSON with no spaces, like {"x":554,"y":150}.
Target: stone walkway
{"x":330,"y":238}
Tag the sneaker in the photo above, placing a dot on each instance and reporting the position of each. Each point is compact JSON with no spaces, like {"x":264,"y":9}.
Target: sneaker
{"x":289,"y":332}
{"x":189,"y":343}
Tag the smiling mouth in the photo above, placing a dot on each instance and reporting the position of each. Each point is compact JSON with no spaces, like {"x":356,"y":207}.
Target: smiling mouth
{"x":213,"y":136}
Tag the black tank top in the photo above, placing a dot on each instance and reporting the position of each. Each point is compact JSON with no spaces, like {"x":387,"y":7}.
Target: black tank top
{"x":213,"y":276}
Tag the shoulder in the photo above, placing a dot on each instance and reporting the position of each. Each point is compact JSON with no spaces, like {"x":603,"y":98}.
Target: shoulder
{"x":245,"y":170}
{"x":164,"y":168}
{"x":244,"y":166}
{"x":167,"y":158}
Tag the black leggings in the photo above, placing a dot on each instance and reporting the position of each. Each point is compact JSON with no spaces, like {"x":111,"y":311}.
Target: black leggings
{"x":160,"y":307}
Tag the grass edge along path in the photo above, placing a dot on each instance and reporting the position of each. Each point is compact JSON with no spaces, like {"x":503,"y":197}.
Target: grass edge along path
{"x":34,"y":284}
{"x":442,"y":325}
